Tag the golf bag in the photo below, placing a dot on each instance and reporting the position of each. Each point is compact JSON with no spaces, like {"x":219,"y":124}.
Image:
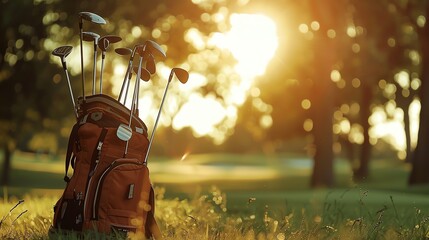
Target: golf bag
{"x":109,"y":191}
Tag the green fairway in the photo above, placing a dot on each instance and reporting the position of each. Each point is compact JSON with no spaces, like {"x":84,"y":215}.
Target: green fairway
{"x":235,"y":173}
{"x":275,"y":179}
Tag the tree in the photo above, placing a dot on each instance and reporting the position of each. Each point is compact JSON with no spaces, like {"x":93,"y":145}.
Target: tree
{"x":32,"y":89}
{"x":420,"y":160}
{"x":25,"y":91}
{"x":370,"y":55}
{"x":326,"y":44}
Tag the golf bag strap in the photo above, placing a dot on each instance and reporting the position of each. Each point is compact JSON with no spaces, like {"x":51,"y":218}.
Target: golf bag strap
{"x":69,"y":157}
{"x":95,"y":154}
{"x":152,"y":228}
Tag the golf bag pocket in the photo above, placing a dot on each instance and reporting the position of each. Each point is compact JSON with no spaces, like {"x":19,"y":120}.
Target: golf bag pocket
{"x":121,"y":194}
{"x":76,"y":185}
{"x":113,"y":147}
{"x":69,"y":209}
{"x":68,"y":214}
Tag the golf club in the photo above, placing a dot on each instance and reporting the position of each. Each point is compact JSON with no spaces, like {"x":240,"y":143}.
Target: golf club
{"x":183,"y":76}
{"x":124,"y":132}
{"x":143,"y":73}
{"x":128,"y":86}
{"x":123,"y":51}
{"x":144,"y":50}
{"x":93,"y":18}
{"x":150,"y":64}
{"x":140,"y":70}
{"x":145,"y":77}
{"x":127,"y":77}
{"x":126,"y":51}
{"x":92,"y":37}
{"x":104,"y":43}
{"x":63,"y":52}
{"x":156,"y":47}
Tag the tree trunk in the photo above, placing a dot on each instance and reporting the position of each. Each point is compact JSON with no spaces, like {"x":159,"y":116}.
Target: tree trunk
{"x":362,"y":172}
{"x":420,"y":161}
{"x":323,"y":170}
{"x":322,"y":109}
{"x":407,"y":132}
{"x":329,"y":14}
{"x":6,"y":164}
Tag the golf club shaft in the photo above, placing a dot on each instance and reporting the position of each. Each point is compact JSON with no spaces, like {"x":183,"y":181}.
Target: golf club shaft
{"x":138,"y":92}
{"x":126,"y":79}
{"x":71,"y":91}
{"x":81,"y":58}
{"x":101,"y":73}
{"x":156,"y":123}
{"x":94,"y":69}
{"x":128,"y":86}
{"x":137,"y":98}
{"x":133,"y":101}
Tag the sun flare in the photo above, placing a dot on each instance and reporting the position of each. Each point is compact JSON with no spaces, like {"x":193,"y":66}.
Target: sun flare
{"x":252,"y":40}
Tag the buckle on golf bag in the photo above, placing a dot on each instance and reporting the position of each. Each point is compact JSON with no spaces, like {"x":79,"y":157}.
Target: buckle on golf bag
{"x":139,"y":130}
{"x":83,"y":120}
{"x":66,"y":179}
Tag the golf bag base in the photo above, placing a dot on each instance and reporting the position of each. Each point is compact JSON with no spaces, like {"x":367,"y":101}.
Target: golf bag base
{"x":110,"y":189}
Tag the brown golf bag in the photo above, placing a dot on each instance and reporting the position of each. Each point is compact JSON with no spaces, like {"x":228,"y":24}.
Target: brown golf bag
{"x":109,"y":191}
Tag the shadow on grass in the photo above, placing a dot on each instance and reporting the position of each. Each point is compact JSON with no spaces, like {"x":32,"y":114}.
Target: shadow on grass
{"x":32,"y":179}
{"x":39,"y":183}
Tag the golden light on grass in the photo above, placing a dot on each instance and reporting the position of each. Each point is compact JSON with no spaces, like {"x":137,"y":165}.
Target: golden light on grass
{"x":202,"y":216}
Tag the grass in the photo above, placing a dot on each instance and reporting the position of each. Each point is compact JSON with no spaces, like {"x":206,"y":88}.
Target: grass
{"x":212,"y":197}
{"x":348,"y":214}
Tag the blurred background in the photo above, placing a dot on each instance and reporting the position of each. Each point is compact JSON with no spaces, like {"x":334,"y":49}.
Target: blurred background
{"x":282,"y":94}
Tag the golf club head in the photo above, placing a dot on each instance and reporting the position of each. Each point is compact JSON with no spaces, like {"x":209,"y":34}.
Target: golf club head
{"x":145,"y":52}
{"x":92,"y":17}
{"x":140,"y":49}
{"x":90,"y":36}
{"x":110,"y":38}
{"x":62,"y":51}
{"x":144,"y":73}
{"x":103,"y":44}
{"x":123,"y":51}
{"x":124,"y":132}
{"x":155,"y":46}
{"x":150,"y":64}
{"x":181,"y":74}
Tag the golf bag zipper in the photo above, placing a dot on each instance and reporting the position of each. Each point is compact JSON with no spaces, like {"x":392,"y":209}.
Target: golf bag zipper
{"x":100,"y":144}
{"x":96,"y":158}
{"x":100,"y":183}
